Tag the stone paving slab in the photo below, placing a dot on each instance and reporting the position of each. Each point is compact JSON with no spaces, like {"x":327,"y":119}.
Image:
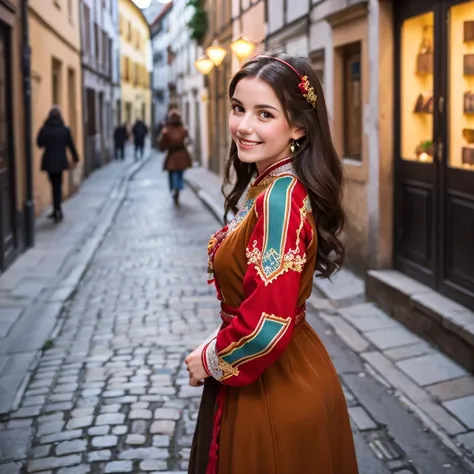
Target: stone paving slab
{"x":34,"y":289}
{"x":432,"y":368}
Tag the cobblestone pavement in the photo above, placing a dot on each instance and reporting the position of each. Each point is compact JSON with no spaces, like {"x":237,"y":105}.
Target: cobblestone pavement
{"x":111,"y":394}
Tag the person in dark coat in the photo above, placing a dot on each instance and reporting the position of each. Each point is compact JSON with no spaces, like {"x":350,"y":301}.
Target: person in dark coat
{"x":120,"y":138}
{"x":55,"y":138}
{"x":139,"y":131}
{"x":173,"y":138}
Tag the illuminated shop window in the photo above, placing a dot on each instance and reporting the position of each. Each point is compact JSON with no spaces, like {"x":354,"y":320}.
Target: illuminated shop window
{"x":461,"y":86}
{"x":417,"y":89}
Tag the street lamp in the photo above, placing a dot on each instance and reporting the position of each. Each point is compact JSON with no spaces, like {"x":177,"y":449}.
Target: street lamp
{"x":204,"y":65}
{"x":242,"y":47}
{"x":216,"y":53}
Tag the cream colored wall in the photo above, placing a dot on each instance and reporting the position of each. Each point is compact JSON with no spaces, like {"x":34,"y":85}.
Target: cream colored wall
{"x":130,"y":93}
{"x":252,"y":25}
{"x":355,"y":193}
{"x":53,"y":34}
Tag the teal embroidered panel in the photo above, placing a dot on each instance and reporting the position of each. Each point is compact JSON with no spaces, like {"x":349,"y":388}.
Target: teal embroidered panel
{"x":268,"y":332}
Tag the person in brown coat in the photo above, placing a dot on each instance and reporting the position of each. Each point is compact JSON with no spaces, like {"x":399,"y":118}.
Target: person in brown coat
{"x":173,"y":138}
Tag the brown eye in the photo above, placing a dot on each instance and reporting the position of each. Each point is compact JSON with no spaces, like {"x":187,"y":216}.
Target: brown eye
{"x":265,"y":115}
{"x":238,"y":109}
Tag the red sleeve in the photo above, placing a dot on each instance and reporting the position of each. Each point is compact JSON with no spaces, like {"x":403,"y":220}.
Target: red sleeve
{"x":276,"y":255}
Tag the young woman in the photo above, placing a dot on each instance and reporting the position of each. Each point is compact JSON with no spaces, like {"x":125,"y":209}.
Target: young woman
{"x":272,"y":401}
{"x":173,"y":138}
{"x":56,"y":138}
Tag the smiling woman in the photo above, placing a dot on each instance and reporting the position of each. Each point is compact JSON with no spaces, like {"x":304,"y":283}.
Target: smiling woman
{"x":272,"y":401}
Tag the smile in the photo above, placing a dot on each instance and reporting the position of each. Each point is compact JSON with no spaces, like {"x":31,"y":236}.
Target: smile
{"x":248,"y":142}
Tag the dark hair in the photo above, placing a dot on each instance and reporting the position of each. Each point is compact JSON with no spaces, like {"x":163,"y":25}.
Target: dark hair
{"x":174,"y":119}
{"x":315,"y":162}
{"x":55,"y":114}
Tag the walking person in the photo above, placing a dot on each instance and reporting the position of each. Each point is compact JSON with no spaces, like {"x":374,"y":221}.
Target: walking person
{"x":120,"y":138}
{"x":55,"y":138}
{"x":173,"y":137}
{"x":139,"y":131}
{"x":272,"y":401}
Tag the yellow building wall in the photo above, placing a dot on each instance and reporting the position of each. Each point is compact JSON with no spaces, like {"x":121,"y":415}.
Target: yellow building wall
{"x":55,"y":35}
{"x":134,"y":55}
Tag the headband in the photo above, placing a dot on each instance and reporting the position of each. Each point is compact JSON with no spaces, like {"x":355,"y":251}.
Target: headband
{"x":304,"y":86}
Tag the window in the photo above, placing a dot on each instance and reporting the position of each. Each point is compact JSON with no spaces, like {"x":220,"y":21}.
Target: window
{"x":352,"y":100}
{"x":460,"y":103}
{"x":72,"y":99}
{"x":97,"y":45}
{"x":70,"y":10}
{"x":417,"y":88}
{"x":105,"y":50}
{"x":87,"y":30}
{"x":56,"y":81}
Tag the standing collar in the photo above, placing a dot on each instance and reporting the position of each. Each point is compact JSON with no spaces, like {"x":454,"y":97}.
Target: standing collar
{"x":274,"y":169}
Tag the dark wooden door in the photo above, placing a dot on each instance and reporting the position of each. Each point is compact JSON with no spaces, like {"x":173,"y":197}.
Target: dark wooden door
{"x":434,"y":202}
{"x":7,"y":240}
{"x":456,"y":121}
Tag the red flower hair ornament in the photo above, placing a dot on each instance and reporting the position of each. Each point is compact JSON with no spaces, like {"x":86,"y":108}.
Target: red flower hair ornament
{"x":305,"y":87}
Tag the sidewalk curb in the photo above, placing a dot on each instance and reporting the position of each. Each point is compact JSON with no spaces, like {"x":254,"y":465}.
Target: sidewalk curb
{"x":79,"y":263}
{"x":205,"y":199}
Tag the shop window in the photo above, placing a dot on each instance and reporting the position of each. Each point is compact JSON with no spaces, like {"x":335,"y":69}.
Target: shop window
{"x":417,"y":89}
{"x":56,"y":81}
{"x":352,"y":100}
{"x":461,"y":86}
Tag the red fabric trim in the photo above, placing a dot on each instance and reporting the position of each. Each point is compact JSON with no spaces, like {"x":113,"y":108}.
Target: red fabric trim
{"x":214,"y":450}
{"x":204,"y":358}
{"x":271,"y":168}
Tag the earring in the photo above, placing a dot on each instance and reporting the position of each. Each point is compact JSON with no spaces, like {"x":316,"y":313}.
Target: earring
{"x":294,"y":145}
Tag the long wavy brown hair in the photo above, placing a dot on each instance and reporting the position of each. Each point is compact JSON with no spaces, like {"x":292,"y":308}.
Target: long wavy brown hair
{"x":316,"y":162}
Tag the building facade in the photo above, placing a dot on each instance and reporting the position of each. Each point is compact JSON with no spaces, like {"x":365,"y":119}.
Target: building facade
{"x":55,"y":80}
{"x":135,"y":63}
{"x":98,"y":37}
{"x":13,"y":139}
{"x":160,"y":42}
{"x":189,"y":94}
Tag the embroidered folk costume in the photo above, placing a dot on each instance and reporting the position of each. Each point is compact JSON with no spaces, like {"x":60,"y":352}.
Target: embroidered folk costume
{"x":273,"y":403}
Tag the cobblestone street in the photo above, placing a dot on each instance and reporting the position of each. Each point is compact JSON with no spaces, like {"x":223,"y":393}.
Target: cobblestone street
{"x":110,"y":391}
{"x":110,"y":395}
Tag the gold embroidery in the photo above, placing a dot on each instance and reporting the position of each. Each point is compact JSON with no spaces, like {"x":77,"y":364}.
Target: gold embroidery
{"x":291,"y":261}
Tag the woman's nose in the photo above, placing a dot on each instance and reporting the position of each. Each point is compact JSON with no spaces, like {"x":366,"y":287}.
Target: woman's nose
{"x":245,"y":126}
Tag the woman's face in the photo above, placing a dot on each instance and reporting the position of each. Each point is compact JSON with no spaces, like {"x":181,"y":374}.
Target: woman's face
{"x":258,"y":125}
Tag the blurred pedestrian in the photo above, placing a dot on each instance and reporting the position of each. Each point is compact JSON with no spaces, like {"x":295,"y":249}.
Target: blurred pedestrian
{"x":139,"y":131}
{"x":173,"y":137}
{"x":120,"y":138}
{"x":55,"y":138}
{"x":272,"y":400}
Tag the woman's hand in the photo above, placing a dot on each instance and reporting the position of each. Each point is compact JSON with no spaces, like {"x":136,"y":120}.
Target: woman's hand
{"x":197,"y":374}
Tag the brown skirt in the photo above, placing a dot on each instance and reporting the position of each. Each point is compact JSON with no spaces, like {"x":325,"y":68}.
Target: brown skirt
{"x":293,"y":419}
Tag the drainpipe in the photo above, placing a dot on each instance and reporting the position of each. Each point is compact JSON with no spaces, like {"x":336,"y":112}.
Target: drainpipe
{"x":29,"y":210}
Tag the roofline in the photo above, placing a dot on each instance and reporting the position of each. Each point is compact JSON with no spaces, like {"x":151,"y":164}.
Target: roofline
{"x":134,"y":5}
{"x":166,"y":9}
